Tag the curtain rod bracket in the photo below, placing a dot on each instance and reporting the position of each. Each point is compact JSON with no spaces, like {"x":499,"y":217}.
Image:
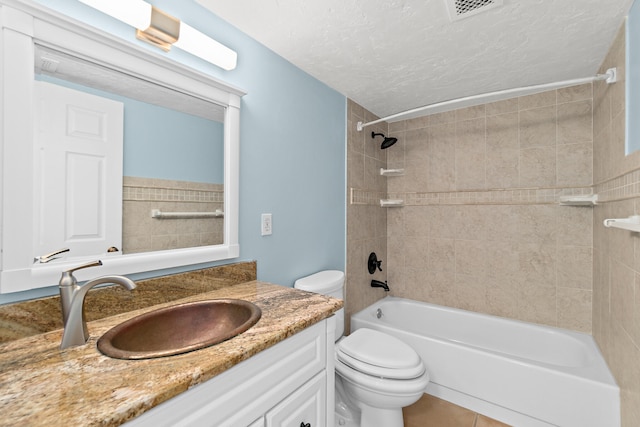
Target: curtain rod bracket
{"x":612,"y":75}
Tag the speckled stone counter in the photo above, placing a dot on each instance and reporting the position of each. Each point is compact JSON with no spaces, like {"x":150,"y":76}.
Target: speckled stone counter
{"x":41,"y":385}
{"x":27,"y":318}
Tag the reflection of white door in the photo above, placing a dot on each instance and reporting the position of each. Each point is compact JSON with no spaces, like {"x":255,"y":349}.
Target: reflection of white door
{"x":78,"y":168}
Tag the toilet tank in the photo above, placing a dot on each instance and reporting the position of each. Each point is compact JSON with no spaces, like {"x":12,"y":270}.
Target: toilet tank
{"x":328,"y":282}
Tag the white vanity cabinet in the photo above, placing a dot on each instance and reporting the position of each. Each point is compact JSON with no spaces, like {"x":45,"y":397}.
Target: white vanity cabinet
{"x":290,"y":384}
{"x":303,"y":408}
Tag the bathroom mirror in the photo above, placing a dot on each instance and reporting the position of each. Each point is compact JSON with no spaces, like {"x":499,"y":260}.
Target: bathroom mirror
{"x":26,"y":30}
{"x":632,"y":94}
{"x":173,"y":160}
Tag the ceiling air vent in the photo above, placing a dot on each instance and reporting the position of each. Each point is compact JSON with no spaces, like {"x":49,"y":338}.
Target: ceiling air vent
{"x":460,"y":9}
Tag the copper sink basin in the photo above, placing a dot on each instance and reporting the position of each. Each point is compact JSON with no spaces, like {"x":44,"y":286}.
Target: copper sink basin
{"x":179,"y":329}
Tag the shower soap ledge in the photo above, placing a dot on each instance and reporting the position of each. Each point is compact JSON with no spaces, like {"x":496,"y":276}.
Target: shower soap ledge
{"x":391,"y":172}
{"x":589,"y":200}
{"x":391,"y":203}
{"x":631,"y":223}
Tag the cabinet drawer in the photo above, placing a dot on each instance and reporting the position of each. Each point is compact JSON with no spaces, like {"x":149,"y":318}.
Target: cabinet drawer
{"x":305,"y":407}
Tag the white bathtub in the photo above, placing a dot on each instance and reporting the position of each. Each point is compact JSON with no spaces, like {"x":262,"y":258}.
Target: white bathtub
{"x":519,"y":373}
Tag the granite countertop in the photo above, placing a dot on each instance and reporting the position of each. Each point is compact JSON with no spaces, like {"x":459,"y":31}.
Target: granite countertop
{"x":34,"y":317}
{"x":41,"y":385}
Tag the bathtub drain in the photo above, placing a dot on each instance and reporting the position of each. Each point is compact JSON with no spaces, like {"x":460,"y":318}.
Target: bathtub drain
{"x":378,"y":313}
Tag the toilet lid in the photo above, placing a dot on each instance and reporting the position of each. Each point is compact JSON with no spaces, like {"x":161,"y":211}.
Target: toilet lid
{"x":376,"y":353}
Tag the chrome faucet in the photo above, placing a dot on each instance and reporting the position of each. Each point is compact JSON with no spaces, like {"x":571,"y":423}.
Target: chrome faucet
{"x":72,"y":302}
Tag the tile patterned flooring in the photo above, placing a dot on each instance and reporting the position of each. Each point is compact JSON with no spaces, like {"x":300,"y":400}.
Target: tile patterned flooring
{"x":430,"y":411}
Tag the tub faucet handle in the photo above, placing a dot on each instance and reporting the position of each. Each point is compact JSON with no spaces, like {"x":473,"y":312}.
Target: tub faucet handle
{"x":373,"y":263}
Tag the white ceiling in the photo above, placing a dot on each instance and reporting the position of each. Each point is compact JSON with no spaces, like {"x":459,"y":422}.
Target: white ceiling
{"x":394,"y":55}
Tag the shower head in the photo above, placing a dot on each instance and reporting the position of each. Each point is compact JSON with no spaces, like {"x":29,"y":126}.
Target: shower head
{"x":388,"y":142}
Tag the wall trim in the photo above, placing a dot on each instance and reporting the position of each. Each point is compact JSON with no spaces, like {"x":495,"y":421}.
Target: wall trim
{"x":623,"y":187}
{"x":512,"y":196}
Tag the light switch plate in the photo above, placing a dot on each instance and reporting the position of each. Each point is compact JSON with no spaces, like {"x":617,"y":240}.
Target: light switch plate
{"x":267,"y":225}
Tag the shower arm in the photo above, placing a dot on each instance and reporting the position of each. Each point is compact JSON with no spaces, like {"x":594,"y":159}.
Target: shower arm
{"x":610,"y":76}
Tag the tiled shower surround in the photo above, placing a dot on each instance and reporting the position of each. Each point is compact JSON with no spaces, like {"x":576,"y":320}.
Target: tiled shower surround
{"x":616,"y":255}
{"x":142,"y":233}
{"x":482,"y":228}
{"x":366,"y":222}
{"x":494,"y":239}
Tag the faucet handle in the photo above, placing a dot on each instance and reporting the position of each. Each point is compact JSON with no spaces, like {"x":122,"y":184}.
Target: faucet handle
{"x":67,"y":280}
{"x":86,"y":265}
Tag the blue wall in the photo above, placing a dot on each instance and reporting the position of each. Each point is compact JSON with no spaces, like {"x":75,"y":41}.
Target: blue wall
{"x":292,"y":149}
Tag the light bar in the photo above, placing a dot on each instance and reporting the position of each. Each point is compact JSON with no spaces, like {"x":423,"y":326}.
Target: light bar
{"x":163,"y":30}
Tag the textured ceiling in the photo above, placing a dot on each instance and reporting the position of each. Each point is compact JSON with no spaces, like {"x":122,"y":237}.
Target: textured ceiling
{"x":395,"y":55}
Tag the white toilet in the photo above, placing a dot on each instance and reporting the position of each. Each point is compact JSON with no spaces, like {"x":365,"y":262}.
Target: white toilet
{"x":376,"y":374}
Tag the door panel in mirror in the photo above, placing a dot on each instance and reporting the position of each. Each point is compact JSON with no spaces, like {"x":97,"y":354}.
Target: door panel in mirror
{"x":78,"y":168}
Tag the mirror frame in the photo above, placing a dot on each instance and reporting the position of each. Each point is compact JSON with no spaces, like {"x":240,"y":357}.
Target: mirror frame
{"x":24,"y":24}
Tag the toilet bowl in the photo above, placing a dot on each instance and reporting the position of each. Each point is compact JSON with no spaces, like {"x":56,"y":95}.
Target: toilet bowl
{"x":376,"y":374}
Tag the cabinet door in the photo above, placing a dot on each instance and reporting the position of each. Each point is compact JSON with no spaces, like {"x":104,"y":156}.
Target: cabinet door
{"x":305,"y":407}
{"x":250,"y":389}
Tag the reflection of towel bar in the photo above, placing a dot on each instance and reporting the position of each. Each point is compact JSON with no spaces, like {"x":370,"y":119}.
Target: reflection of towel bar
{"x":391,"y":203}
{"x":158,"y":214}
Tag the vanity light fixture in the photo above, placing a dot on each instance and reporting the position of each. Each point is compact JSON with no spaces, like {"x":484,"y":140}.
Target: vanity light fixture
{"x":163,"y":30}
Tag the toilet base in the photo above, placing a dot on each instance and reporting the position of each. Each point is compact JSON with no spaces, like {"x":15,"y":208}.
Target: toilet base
{"x":380,"y":417}
{"x":372,"y":417}
{"x":349,"y":413}
{"x":345,"y":422}
{"x":346,"y":413}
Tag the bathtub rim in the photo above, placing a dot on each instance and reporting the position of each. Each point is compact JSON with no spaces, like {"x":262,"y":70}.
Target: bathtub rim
{"x":598,"y":371}
{"x":527,"y":410}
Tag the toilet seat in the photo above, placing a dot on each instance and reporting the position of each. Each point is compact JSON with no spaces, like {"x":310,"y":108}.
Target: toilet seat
{"x":380,"y":355}
{"x":388,"y":387}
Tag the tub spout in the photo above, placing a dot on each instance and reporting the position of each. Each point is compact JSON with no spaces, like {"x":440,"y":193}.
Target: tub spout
{"x":72,"y":301}
{"x":379,"y":284}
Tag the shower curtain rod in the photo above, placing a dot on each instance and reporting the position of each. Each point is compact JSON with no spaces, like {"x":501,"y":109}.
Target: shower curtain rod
{"x":610,"y":76}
